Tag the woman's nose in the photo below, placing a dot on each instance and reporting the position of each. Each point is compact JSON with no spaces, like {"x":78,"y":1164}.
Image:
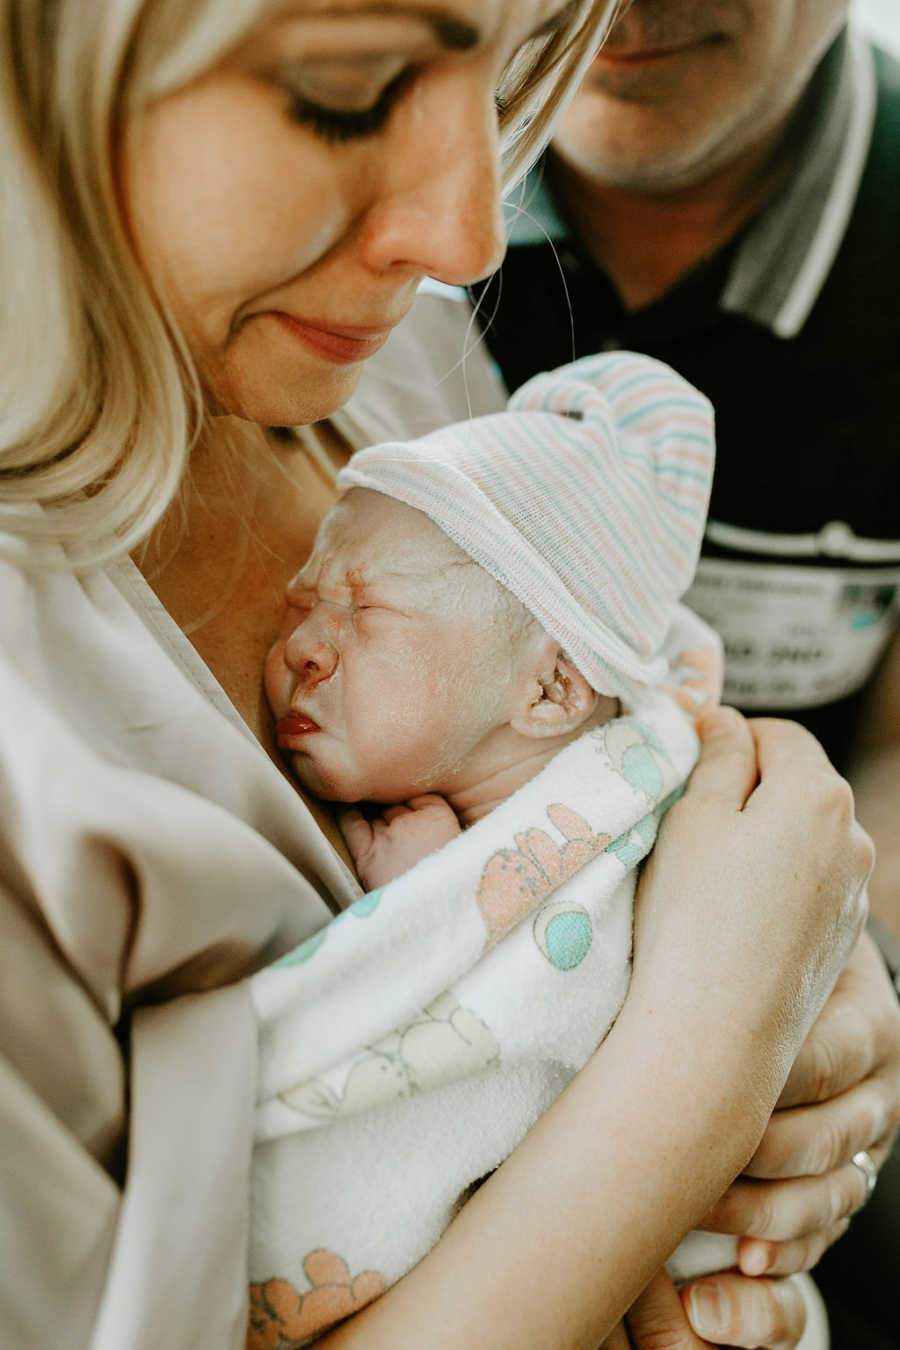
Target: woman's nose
{"x":437,"y":211}
{"x":311,"y":657}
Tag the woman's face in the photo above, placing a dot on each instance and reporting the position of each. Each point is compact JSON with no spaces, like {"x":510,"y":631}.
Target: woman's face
{"x":288,"y":202}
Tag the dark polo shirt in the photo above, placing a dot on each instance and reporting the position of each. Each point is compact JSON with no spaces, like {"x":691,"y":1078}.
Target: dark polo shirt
{"x":793,"y":331}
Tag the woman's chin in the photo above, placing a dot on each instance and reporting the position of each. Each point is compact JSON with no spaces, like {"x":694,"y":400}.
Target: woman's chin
{"x":280,"y":393}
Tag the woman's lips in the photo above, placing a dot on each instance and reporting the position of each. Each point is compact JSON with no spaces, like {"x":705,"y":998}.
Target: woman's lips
{"x":293,"y":728}
{"x":338,"y":344}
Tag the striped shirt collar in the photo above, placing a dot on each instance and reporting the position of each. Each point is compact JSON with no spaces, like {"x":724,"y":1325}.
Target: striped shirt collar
{"x":788,"y":250}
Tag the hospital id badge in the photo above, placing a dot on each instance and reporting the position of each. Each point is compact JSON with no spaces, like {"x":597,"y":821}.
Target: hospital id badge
{"x":796,"y":637}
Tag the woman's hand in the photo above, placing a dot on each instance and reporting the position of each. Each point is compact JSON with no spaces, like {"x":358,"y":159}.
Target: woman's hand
{"x":387,"y":844}
{"x":763,"y":1314}
{"x":754,"y":895}
{"x":842,"y":1095}
{"x":800,"y":1190}
{"x":748,"y":908}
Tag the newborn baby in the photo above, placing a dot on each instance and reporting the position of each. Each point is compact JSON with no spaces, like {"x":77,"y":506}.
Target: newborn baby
{"x":487,"y":641}
{"x":407,"y":669}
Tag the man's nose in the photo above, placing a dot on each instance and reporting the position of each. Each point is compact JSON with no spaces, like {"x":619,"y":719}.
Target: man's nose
{"x":311,"y":657}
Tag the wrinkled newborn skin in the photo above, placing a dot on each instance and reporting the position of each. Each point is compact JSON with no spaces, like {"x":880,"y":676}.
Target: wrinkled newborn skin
{"x":394,"y":665}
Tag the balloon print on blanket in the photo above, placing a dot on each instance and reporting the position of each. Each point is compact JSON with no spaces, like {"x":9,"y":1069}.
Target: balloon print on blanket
{"x":516,"y":880}
{"x":446,"y":1043}
{"x":280,"y":1316}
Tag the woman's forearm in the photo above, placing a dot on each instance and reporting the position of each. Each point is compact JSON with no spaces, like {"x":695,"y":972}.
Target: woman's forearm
{"x":561,"y":1239}
{"x":748,"y":909}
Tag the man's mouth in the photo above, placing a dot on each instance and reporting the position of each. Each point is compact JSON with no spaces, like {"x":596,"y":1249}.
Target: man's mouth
{"x":633,"y":57}
{"x":292,"y":729}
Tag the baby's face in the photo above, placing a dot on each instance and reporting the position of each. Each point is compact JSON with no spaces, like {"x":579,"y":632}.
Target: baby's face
{"x":391,"y":665}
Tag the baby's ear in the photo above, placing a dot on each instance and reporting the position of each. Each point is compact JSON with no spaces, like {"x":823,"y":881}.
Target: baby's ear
{"x":558,"y":699}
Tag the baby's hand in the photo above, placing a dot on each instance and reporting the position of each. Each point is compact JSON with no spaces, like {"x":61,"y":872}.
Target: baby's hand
{"x":384,"y":846}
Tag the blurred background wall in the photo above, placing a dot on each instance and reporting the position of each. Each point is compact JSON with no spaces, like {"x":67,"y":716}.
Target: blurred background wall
{"x":881,"y":18}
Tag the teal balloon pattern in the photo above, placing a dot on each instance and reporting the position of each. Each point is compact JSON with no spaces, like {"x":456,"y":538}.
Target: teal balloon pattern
{"x":564,"y":934}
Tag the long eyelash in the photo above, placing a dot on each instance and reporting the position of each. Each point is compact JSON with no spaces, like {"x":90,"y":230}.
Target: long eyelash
{"x":343,"y":124}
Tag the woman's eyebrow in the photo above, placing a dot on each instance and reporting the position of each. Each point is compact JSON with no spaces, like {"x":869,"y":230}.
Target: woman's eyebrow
{"x":451,"y":31}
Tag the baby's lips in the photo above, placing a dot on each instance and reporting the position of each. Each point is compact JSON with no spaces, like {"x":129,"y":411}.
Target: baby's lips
{"x":292,"y":728}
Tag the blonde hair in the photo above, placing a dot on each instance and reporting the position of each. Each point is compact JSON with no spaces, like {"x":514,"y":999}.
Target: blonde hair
{"x":100,"y":403}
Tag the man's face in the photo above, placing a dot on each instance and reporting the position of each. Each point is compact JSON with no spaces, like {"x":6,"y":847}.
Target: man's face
{"x":392,"y":665}
{"x":683,"y":87}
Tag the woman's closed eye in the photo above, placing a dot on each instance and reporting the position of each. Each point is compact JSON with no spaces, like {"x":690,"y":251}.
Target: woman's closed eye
{"x":346,"y":111}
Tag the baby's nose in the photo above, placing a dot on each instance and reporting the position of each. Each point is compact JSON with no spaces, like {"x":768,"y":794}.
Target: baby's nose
{"x":311,"y":659}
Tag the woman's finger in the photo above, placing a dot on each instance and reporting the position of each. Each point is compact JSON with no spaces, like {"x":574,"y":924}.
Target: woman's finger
{"x":759,"y":1314}
{"x":856,"y":1036}
{"x":618,"y":1339}
{"x":781,"y":1211}
{"x":788,"y":756}
{"x":727,"y":768}
{"x":811,"y":1141}
{"x":787,"y":1258}
{"x":658,"y":1318}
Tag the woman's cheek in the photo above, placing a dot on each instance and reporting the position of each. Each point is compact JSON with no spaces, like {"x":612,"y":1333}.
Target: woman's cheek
{"x":277,"y":679}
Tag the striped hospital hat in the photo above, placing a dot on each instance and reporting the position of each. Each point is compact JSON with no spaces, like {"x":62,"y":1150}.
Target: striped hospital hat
{"x":586,"y":499}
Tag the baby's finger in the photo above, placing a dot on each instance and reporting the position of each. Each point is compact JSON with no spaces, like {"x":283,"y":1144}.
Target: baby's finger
{"x":787,"y":1258}
{"x":732,"y":1310}
{"x":427,"y":799}
{"x":357,"y":831}
{"x":393,"y":812}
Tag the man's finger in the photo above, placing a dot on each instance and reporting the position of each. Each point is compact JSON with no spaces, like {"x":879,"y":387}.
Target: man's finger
{"x":731,"y":1310}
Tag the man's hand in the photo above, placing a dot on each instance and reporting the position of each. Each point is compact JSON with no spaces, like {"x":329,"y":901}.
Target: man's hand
{"x":843,"y":1094}
{"x":385,"y":845}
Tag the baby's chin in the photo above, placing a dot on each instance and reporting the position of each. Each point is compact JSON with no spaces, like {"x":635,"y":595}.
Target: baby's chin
{"x":311,"y":778}
{"x":343,"y":786}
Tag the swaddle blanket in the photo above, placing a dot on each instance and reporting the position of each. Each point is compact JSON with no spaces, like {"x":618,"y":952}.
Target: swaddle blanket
{"x":409,"y":1046}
